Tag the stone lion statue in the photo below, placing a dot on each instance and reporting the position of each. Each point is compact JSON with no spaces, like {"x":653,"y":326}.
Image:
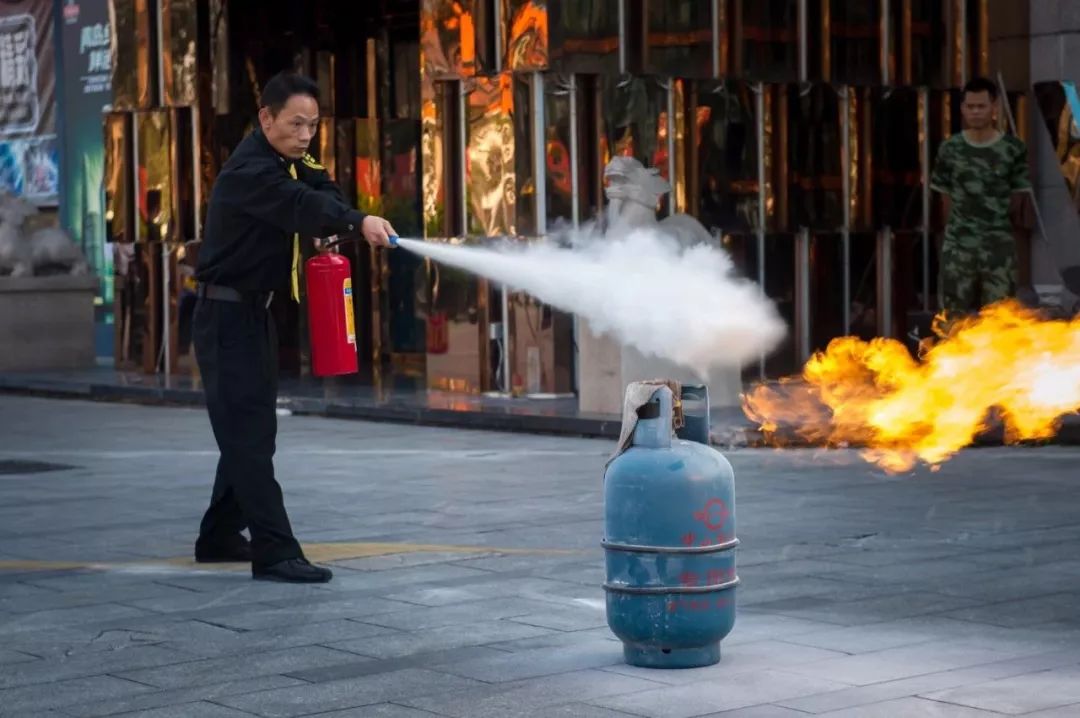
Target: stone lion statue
{"x":46,"y":250}
{"x":633,"y":193}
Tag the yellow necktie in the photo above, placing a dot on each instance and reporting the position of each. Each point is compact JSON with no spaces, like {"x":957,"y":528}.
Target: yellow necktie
{"x":295,"y":254}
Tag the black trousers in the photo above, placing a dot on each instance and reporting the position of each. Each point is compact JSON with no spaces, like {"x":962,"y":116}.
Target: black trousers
{"x":236,"y":349}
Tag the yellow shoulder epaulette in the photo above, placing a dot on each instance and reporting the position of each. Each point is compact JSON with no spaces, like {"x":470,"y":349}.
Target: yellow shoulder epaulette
{"x":309,"y":161}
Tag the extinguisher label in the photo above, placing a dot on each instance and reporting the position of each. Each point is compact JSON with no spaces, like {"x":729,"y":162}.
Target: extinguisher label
{"x":350,"y":321}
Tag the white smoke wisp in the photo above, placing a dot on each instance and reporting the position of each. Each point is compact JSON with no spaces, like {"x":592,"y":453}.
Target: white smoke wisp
{"x":642,"y":288}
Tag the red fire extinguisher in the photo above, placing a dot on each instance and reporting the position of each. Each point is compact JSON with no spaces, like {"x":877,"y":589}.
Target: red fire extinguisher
{"x":332,"y":324}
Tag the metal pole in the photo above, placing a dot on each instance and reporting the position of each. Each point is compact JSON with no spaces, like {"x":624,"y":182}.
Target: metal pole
{"x":505,"y":300}
{"x":802,"y":289}
{"x":845,"y":178}
{"x":671,"y":143}
{"x":575,"y":201}
{"x":759,"y":107}
{"x":622,"y":36}
{"x":885,"y":44}
{"x":804,"y":38}
{"x":924,"y":151}
{"x":885,"y":281}
{"x":165,"y":277}
{"x":196,"y":159}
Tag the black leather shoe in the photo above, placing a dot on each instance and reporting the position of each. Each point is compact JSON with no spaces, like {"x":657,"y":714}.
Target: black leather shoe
{"x":235,"y":550}
{"x":294,"y":570}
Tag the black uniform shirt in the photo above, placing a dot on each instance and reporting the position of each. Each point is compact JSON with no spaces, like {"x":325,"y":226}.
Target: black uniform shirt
{"x":255,"y":209}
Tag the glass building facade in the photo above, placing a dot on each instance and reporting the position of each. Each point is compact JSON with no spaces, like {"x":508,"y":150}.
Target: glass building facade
{"x":800,"y":133}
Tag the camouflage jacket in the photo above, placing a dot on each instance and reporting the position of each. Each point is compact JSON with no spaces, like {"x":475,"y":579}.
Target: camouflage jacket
{"x":980,"y":181}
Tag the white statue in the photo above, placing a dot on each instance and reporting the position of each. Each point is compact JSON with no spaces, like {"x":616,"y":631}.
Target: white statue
{"x":47,"y":248}
{"x":633,"y":194}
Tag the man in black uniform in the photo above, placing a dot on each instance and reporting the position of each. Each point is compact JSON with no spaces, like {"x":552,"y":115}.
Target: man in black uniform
{"x":269,"y":193}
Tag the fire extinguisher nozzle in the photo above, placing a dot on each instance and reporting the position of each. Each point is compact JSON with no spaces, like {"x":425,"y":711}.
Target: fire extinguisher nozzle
{"x":393,"y":240}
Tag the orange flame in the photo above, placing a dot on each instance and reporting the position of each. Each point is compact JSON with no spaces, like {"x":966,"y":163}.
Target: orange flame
{"x":1008,"y":362}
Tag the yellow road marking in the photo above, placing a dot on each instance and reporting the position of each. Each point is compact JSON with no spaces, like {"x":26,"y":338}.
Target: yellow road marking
{"x":317,"y":552}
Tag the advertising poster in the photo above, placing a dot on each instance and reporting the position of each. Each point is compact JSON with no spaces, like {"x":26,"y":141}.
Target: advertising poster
{"x":29,"y":156}
{"x":85,"y":92}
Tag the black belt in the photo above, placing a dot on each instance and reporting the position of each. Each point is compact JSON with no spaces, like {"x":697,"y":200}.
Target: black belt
{"x":228,"y":294}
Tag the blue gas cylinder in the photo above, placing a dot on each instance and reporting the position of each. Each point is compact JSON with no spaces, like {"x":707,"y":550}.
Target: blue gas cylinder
{"x":669,"y":521}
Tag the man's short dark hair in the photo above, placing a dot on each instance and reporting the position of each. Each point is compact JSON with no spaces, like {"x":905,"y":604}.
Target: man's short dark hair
{"x":981,"y":84}
{"x":283,"y":86}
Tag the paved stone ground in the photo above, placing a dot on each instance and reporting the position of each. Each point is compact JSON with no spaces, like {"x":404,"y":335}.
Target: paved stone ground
{"x":468,"y":577}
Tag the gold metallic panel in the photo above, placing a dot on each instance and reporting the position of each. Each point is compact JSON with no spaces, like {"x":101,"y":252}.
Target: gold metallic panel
{"x":432,"y":159}
{"x":119,"y":218}
{"x":369,"y":197}
{"x":132,"y":76}
{"x":524,"y":157}
{"x":154,"y":182}
{"x":448,"y":38}
{"x":491,"y":185}
{"x":178,"y":58}
{"x":525,"y":34}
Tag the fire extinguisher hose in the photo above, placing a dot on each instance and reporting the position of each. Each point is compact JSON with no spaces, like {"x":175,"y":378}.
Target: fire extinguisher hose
{"x":354,"y":238}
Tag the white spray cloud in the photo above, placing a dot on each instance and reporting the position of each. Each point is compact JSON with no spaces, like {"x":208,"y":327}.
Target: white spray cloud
{"x":642,"y":288}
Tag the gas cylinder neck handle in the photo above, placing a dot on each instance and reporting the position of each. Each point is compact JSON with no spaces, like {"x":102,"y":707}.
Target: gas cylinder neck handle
{"x":653,"y":429}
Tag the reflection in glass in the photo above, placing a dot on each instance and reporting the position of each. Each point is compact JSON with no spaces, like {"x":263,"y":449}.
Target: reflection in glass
{"x":814,"y":156}
{"x":178,"y":61}
{"x":864,"y":286}
{"x":827,"y":317}
{"x":726,"y":183}
{"x":780,"y":287}
{"x":453,"y":338}
{"x":542,"y":352}
{"x":855,"y":42}
{"x":557,"y":146}
{"x":679,"y":38}
{"x":448,"y":38}
{"x":584,"y":36}
{"x":897,"y":175}
{"x":920,"y":29}
{"x":766,"y":43}
{"x":131,"y":64}
{"x":908,"y":283}
{"x":433,"y":160}
{"x":118,"y":178}
{"x":635,"y":121}
{"x":407,"y":280}
{"x":154,"y":179}
{"x":492,"y":183}
{"x":525,"y":34}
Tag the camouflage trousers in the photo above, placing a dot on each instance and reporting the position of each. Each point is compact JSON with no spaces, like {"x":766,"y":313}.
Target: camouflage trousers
{"x":976,"y":271}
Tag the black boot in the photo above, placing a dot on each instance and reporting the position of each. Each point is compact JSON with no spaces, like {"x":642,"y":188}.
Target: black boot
{"x":294,"y":570}
{"x":235,"y":549}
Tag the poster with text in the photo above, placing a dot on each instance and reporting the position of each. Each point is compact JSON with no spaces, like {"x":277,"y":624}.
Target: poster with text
{"x":85,"y":93}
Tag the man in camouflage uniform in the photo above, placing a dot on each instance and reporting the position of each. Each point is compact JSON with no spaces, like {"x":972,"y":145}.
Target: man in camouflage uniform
{"x":978,"y":171}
